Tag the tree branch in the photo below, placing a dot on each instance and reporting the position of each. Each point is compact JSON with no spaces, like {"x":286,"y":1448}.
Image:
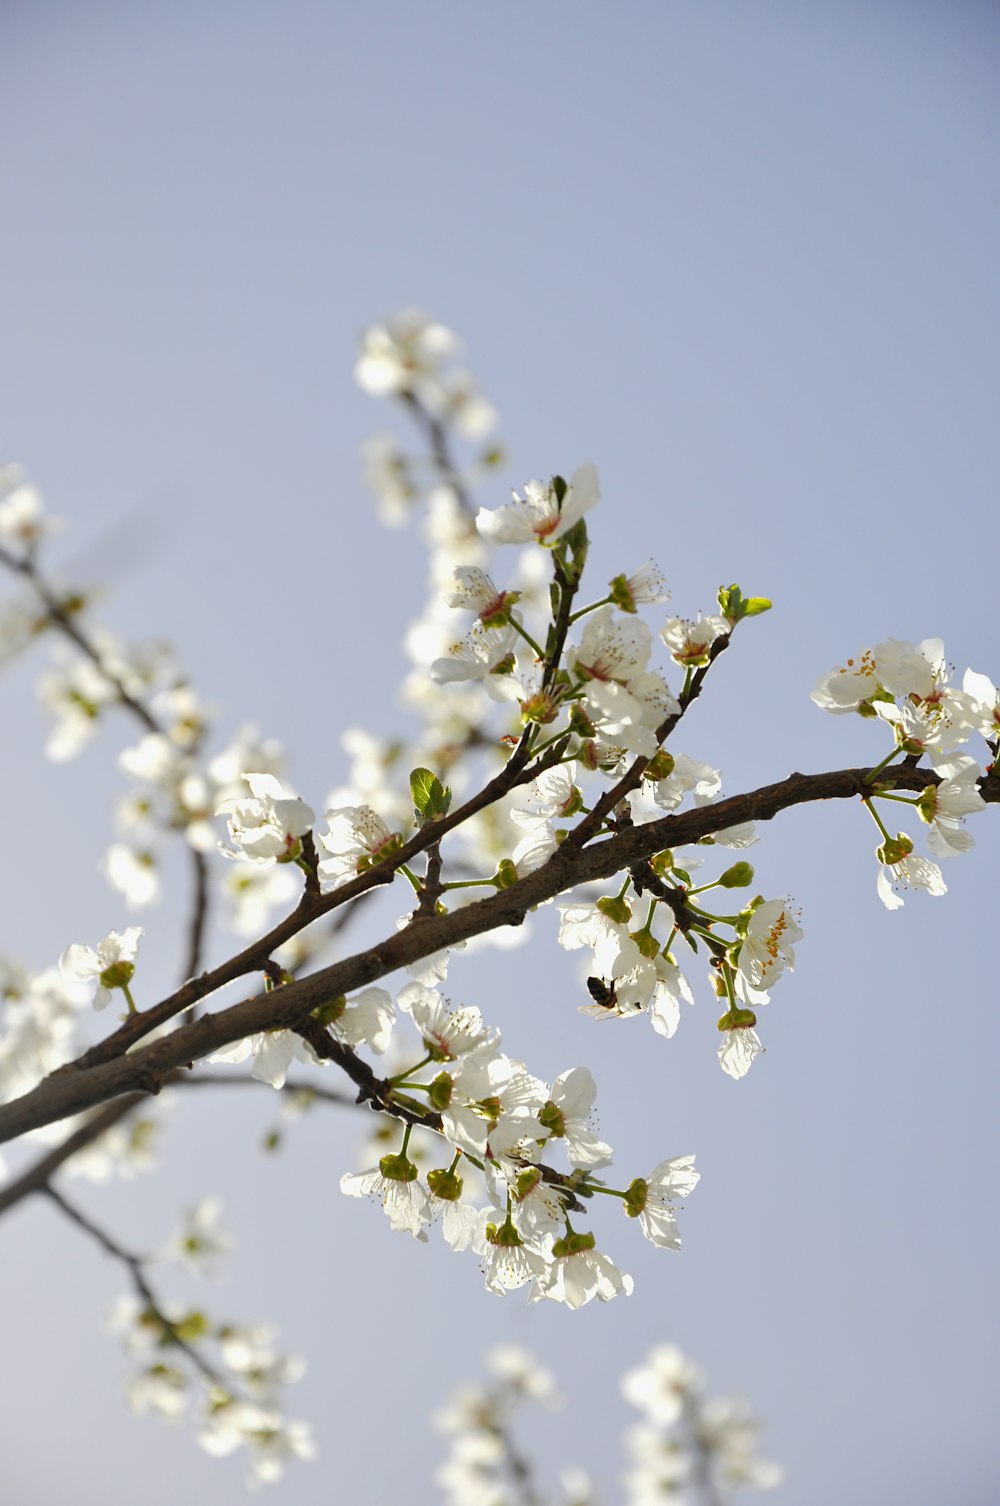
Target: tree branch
{"x":88,"y":1082}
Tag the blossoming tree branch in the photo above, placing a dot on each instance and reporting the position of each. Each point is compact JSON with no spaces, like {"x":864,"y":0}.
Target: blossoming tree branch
{"x":545,"y":767}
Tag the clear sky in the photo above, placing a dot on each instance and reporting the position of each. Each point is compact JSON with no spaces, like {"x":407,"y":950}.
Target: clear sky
{"x":744,"y":258}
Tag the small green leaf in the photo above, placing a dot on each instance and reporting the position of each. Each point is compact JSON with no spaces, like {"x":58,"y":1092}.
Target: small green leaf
{"x":430,"y":797}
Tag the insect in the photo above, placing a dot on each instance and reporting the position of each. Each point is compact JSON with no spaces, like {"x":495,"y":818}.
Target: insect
{"x":602,"y":993}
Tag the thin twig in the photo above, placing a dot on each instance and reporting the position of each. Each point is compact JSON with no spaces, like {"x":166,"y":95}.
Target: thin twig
{"x":134,"y":1265}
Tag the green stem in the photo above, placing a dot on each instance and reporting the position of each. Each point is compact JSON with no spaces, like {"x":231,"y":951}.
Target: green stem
{"x":466,"y":883}
{"x":411,"y":876}
{"x":402,"y":1076}
{"x":128,"y":996}
{"x":880,"y":766}
{"x":575,"y":616}
{"x":526,"y":636}
{"x":875,"y":817}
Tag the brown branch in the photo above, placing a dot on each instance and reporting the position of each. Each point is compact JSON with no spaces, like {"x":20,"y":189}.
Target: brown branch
{"x":80,"y":1086}
{"x":35,"y":1179}
{"x":199,"y":914}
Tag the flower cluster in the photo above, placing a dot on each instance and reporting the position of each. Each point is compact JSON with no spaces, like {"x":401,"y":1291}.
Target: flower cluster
{"x":687,"y":1443}
{"x":906,"y":686}
{"x":688,"y":1448}
{"x":499,"y":1122}
{"x":228,"y":1379}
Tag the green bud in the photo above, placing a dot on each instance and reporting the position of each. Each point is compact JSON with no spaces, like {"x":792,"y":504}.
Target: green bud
{"x":331,"y":1011}
{"x":118,"y":975}
{"x":396,"y":1168}
{"x":527,"y":1180}
{"x":579,"y":721}
{"x":539,"y":708}
{"x":621,"y":594}
{"x":553,"y":1119}
{"x":893,"y":851}
{"x":736,"y":877}
{"x":572,"y":1244}
{"x":662,"y":863}
{"x":504,"y":1236}
{"x":927,"y":804}
{"x":615,"y":909}
{"x":737,"y":1019}
{"x":636,"y":1194}
{"x":646,"y":942}
{"x":506,"y":874}
{"x":660,"y":766}
{"x":445,"y":1184}
{"x":440,"y":1090}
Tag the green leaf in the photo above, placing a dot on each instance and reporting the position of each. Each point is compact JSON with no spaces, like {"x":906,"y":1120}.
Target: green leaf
{"x":430,"y":797}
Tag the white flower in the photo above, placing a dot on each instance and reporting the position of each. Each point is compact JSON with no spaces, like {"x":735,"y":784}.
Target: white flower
{"x":566,"y":1116}
{"x":739,"y":1048}
{"x":133,"y":874}
{"x":472,"y":590}
{"x":483,"y":654}
{"x":523,"y":1373}
{"x":984,"y":698}
{"x":671,"y":986}
{"x":646,"y":585}
{"x":387,"y":476}
{"x":623,"y":980}
{"x":553,"y":796}
{"x":612,"y":647}
{"x":160,"y":1390}
{"x":507,"y":1262}
{"x":904,"y":670}
{"x":908,"y":871}
{"x":404,"y":1199}
{"x":578,"y":1275}
{"x":538,"y":515}
{"x":273,"y":1052}
{"x":366,"y":1020}
{"x":22,"y":515}
{"x":75,"y":695}
{"x":585,"y":925}
{"x":112,"y":964}
{"x":200,"y":1242}
{"x":690,"y":643}
{"x":688,"y":777}
{"x":846,"y":688}
{"x":356,"y":840}
{"x":665,"y":1185}
{"x":266,"y":829}
{"x":662,"y":1386}
{"x":945,"y":805}
{"x":448,"y":1033}
{"x":728,"y":1433}
{"x":768,"y":946}
{"x":494,"y":1106}
{"x":403,"y":355}
{"x":252,"y":891}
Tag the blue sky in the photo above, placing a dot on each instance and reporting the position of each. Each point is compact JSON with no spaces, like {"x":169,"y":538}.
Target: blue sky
{"x":744,"y":259}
